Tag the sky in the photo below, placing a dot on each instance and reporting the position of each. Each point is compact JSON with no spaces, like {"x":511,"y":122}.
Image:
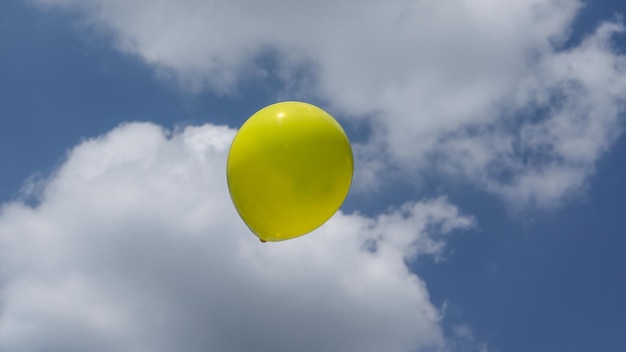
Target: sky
{"x":485,"y":214}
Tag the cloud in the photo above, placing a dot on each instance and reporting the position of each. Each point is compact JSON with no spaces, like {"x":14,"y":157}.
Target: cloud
{"x":484,"y":91}
{"x":134,"y":245}
{"x":569,"y":109}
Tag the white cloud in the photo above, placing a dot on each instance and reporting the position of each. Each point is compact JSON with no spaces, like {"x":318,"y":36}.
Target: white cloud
{"x":135,"y":246}
{"x":569,"y":110}
{"x":424,"y":72}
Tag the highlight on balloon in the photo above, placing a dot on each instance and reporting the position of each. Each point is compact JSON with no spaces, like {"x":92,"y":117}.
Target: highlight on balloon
{"x":289,"y":170}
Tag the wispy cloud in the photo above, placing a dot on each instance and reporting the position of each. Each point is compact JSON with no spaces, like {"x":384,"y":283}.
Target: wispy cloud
{"x":481,"y":90}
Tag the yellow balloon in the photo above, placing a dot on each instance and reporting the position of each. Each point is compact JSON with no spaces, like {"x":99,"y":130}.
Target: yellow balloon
{"x":289,"y":170}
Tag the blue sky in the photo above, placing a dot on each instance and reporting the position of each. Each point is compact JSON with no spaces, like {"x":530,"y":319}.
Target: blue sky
{"x":489,"y":168}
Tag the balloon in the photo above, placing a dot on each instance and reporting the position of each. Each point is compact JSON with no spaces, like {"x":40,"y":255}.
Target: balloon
{"x":289,"y":170}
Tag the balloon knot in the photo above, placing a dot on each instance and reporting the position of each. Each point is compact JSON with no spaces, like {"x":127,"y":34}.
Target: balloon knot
{"x":262,"y":240}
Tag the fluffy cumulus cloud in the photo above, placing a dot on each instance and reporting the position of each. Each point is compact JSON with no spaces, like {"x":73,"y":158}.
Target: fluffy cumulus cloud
{"x":133,"y":245}
{"x":484,"y":91}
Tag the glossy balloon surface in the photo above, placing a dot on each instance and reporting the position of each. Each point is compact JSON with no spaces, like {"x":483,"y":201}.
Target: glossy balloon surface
{"x":289,"y":170}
